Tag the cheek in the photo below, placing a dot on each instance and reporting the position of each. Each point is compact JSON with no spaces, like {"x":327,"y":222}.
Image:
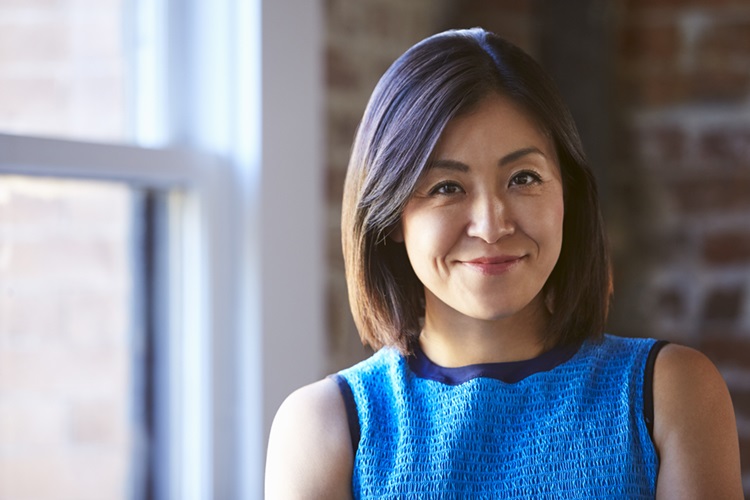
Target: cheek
{"x":556,"y":217}
{"x":429,"y":235}
{"x":545,"y":224}
{"x":558,"y":214}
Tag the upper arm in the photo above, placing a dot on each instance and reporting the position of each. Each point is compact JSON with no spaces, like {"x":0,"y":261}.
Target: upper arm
{"x":309,"y":450}
{"x":694,"y":428}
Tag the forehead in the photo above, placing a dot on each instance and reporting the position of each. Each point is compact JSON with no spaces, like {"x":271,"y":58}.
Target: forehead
{"x":496,"y":124}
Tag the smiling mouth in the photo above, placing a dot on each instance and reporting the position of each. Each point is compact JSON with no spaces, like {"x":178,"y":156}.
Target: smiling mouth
{"x":493,"y":266}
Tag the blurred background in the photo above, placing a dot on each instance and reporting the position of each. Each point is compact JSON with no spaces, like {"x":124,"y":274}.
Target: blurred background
{"x":171,"y":176}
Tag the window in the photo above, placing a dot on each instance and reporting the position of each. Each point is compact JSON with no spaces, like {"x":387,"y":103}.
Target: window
{"x":63,"y":69}
{"x":218,"y":224}
{"x":93,"y":376}
{"x":68,"y":356}
{"x":72,"y":358}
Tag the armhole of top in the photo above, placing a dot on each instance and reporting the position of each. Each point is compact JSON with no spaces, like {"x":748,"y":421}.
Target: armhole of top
{"x":351,"y":409}
{"x":648,"y":386}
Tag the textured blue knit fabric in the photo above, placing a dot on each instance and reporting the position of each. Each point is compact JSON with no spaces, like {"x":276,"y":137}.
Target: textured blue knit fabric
{"x":574,"y":431}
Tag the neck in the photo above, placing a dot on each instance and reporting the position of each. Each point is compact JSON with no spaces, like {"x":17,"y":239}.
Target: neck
{"x":460,"y":341}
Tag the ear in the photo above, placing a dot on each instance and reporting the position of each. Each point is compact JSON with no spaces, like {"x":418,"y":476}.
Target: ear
{"x":397,"y":234}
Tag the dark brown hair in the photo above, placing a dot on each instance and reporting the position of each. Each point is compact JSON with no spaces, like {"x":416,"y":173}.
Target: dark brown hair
{"x":436,"y":80}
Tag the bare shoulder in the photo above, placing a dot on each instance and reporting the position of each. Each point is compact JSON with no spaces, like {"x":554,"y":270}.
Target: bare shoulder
{"x":694,"y":428}
{"x":309,"y":450}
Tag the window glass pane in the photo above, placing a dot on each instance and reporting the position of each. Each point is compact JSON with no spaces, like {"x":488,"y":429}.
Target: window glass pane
{"x":62,"y":69}
{"x":68,"y":391}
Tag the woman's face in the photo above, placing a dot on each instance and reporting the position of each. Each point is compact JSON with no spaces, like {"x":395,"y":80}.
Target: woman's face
{"x":483,"y":229}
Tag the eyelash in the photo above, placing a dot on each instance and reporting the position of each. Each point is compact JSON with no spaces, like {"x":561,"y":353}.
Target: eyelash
{"x":438,"y":189}
{"x":534,"y":177}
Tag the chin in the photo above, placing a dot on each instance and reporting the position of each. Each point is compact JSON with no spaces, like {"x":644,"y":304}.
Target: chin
{"x":498,"y":311}
{"x":493,"y":313}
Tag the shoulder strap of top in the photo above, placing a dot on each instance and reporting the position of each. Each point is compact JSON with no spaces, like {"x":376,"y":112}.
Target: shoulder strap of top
{"x":648,"y":386}
{"x":351,"y":409}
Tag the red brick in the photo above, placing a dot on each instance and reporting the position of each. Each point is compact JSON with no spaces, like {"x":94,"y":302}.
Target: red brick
{"x":342,"y":18}
{"x":511,"y":19}
{"x":670,"y":303}
{"x":378,"y":65}
{"x":728,"y":247}
{"x":741,"y":402}
{"x":30,"y":318}
{"x":28,"y":5}
{"x":340,"y":73}
{"x":657,"y":89}
{"x":63,"y":76}
{"x":745,"y":454}
{"x":711,"y":193}
{"x":661,"y":143}
{"x":25,"y":208}
{"x":716,"y":3}
{"x":479,"y":9}
{"x":35,"y":104}
{"x":727,"y":146}
{"x":670,"y":86}
{"x":335,"y":185}
{"x":39,"y":372}
{"x":645,"y":5}
{"x":336,"y":297}
{"x":31,"y":421}
{"x":650,"y":42}
{"x":723,"y":304}
{"x":38,"y":40}
{"x":91,"y":94}
{"x":84,"y":329}
{"x":335,"y":257}
{"x":722,"y":84}
{"x":101,"y":422}
{"x":341,"y":128}
{"x":675,"y":5}
{"x":72,"y":261}
{"x":383,"y":21}
{"x":727,"y":39}
{"x":728,"y":351}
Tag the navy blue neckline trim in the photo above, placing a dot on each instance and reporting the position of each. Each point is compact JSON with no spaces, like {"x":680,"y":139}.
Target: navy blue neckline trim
{"x":508,"y":372}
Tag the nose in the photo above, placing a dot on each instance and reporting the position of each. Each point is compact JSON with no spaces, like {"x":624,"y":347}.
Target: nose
{"x":490,"y":219}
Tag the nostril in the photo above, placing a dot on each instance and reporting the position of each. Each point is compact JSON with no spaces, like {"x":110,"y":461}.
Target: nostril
{"x":490,"y":222}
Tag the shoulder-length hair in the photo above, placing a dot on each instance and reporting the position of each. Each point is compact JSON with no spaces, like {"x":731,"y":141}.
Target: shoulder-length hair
{"x":436,"y":80}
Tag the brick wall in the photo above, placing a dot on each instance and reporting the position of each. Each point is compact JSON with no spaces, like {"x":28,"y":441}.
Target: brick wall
{"x":61,"y":68}
{"x":66,"y":352}
{"x":685,"y":78}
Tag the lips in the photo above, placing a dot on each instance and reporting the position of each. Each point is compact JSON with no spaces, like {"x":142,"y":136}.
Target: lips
{"x":494,"y":265}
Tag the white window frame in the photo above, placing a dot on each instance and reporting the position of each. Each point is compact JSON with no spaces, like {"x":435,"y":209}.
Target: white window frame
{"x":233,"y":119}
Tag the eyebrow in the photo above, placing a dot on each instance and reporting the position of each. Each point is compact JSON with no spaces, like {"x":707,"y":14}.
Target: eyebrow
{"x":505,"y":160}
{"x":517,"y":155}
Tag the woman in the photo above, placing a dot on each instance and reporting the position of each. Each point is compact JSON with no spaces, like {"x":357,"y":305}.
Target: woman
{"x":478,"y":270}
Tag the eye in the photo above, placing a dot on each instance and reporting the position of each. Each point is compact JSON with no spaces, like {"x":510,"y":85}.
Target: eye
{"x":525,"y":178}
{"x":447,"y":188}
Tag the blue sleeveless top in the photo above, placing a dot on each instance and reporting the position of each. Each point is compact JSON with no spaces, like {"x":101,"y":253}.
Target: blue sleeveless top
{"x":569,"y":424}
